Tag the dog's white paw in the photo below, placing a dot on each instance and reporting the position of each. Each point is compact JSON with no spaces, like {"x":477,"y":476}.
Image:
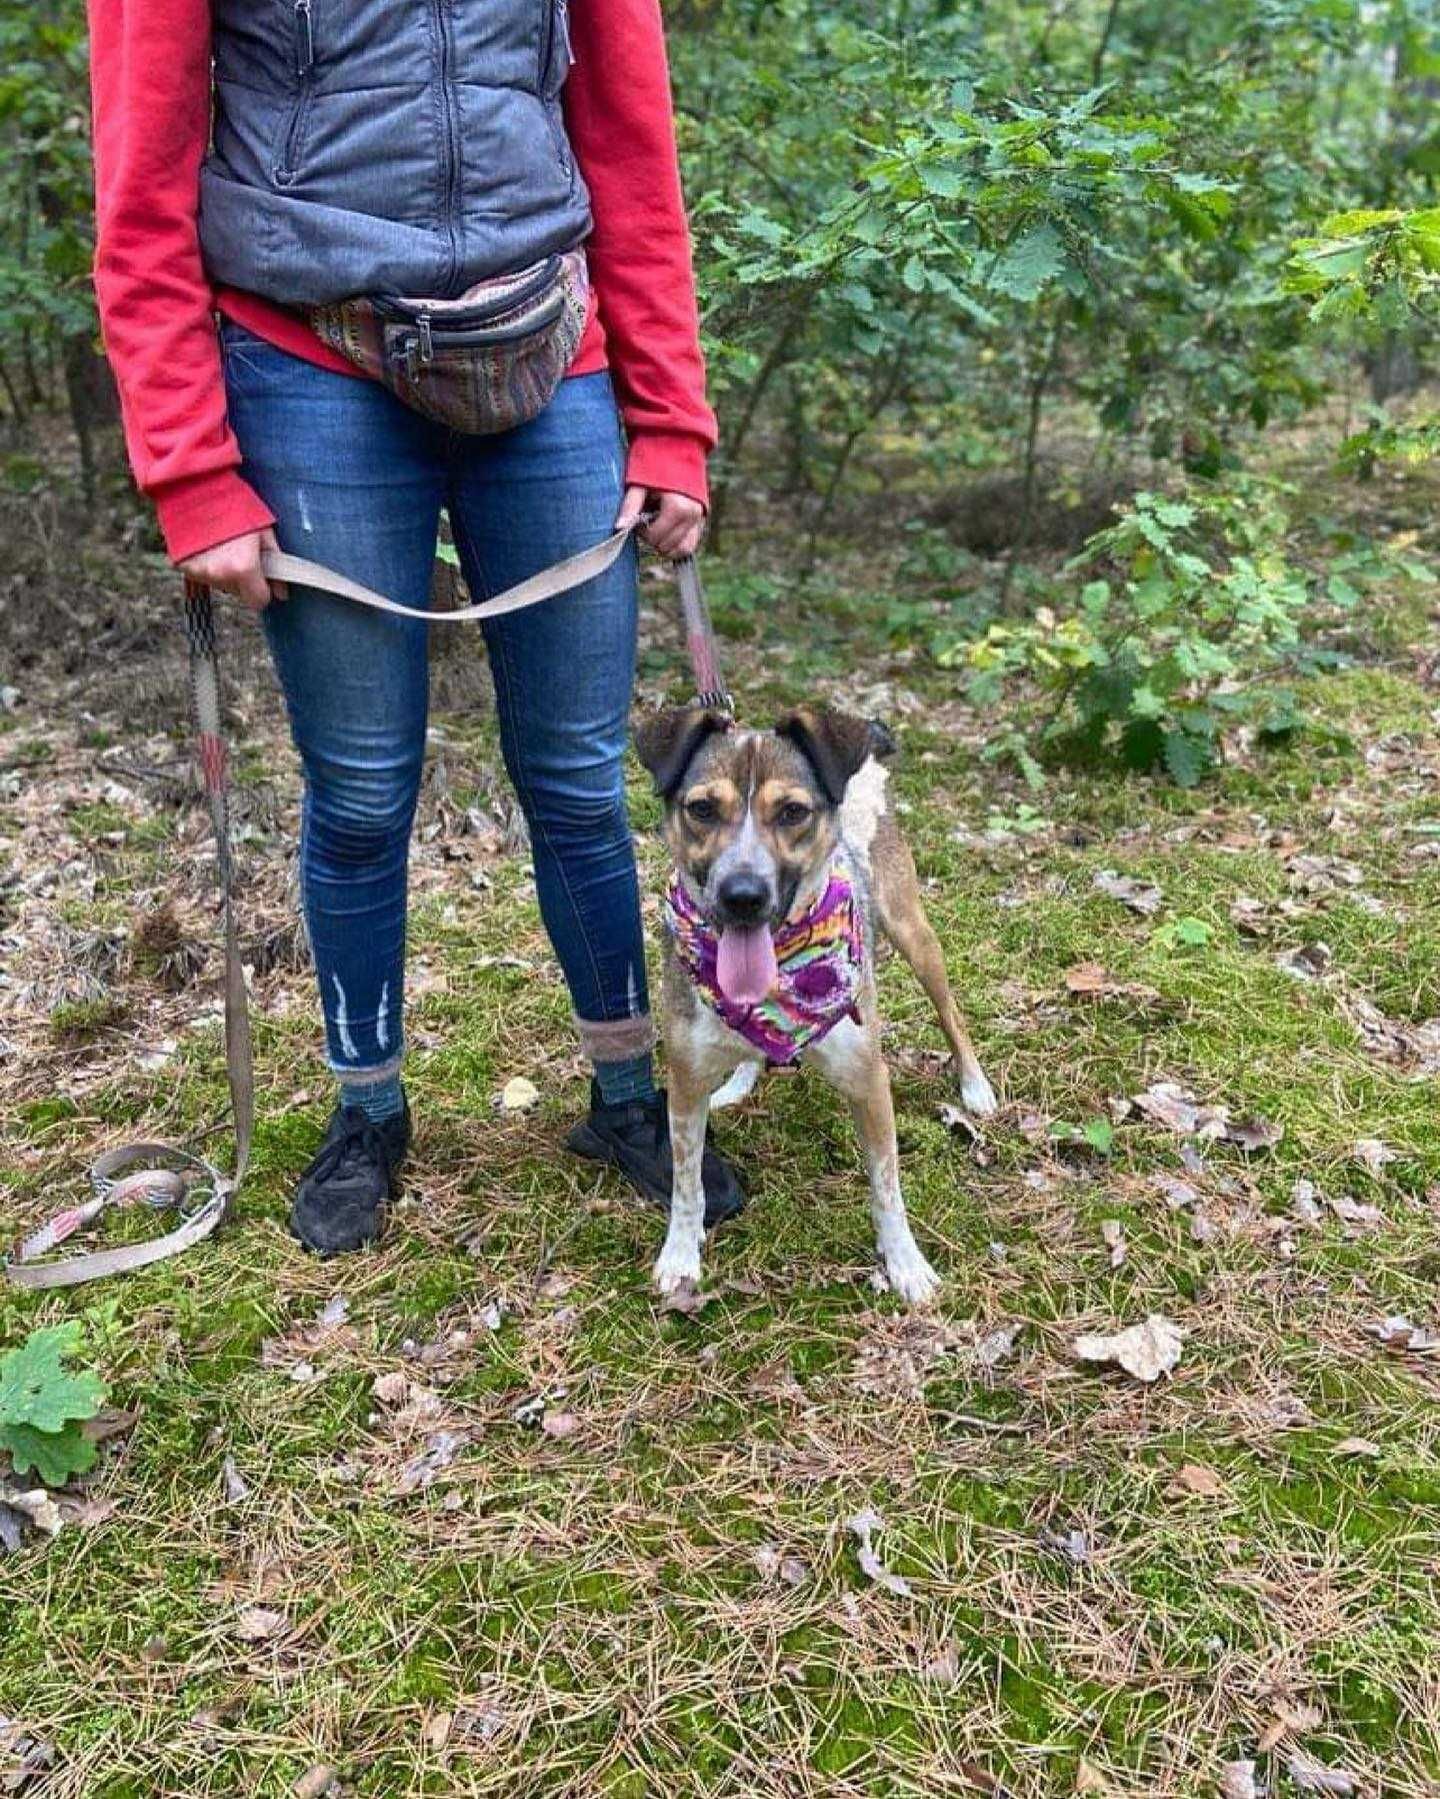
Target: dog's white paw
{"x":911,"y":1276}
{"x":676,"y":1268}
{"x":979,"y":1095}
{"x":740,"y":1086}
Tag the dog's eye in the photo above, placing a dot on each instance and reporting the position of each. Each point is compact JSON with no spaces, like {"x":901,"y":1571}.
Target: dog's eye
{"x":794,"y":812}
{"x":701,"y":811}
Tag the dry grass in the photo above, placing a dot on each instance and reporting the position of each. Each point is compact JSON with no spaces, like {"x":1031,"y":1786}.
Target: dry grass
{"x":355,"y":1545}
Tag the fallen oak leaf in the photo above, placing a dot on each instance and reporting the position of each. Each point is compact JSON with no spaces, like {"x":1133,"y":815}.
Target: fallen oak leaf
{"x":35,"y":1504}
{"x":1307,"y":962}
{"x":1087,"y":978}
{"x":1197,"y":1479}
{"x":1170,"y":1104}
{"x":687,"y":1299}
{"x":1253,"y":1133}
{"x":1313,"y":1776}
{"x":1142,"y":897}
{"x":1398,"y":1333}
{"x":1145,"y":1351}
{"x":258,"y":1624}
{"x":1373,"y":1155}
{"x":316,"y":1783}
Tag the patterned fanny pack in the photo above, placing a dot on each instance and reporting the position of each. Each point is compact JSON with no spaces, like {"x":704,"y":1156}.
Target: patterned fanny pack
{"x":484,"y":363}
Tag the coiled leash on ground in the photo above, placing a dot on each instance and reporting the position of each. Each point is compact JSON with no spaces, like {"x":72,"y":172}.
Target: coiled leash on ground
{"x":165,"y":1178}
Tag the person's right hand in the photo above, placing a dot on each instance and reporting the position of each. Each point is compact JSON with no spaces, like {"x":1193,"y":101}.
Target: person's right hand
{"x":234,"y":567}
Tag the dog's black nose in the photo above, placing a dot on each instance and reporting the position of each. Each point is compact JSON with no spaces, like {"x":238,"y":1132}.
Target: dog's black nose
{"x":744,"y":898}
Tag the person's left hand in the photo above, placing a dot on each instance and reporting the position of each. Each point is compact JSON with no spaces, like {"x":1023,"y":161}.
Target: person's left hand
{"x":678,"y":524}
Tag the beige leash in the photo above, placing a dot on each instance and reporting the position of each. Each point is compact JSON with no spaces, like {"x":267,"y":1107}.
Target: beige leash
{"x":166,"y":1178}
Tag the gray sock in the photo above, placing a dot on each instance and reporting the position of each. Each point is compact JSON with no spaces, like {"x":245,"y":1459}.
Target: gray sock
{"x":622,"y":1083}
{"x":378,"y":1100}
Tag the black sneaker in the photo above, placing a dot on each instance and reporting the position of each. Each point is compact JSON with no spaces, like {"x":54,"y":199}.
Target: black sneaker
{"x":635,"y":1138}
{"x":340,"y":1202}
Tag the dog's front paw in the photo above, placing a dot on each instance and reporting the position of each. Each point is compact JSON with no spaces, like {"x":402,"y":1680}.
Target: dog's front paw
{"x":979,"y":1095}
{"x":911,"y":1276}
{"x":676,"y":1268}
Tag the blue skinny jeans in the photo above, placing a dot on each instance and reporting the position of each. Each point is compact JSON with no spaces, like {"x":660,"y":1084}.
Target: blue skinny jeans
{"x":357,"y":480}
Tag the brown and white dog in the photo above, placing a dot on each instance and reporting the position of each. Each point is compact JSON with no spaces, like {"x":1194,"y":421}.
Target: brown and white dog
{"x":769,"y":830}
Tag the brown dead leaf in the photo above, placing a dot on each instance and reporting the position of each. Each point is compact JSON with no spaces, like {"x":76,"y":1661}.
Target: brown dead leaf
{"x":1168,"y":1103}
{"x":1141,"y":897}
{"x":257,"y":1624}
{"x":1312,"y":1776}
{"x":1197,"y":1479}
{"x":1356,"y":1446}
{"x":1089,"y":1779}
{"x":1307,"y":962}
{"x":1176,"y":1193}
{"x":1373,"y":1155}
{"x":1145,"y":1351}
{"x":1398,"y":1333}
{"x":559,"y":1424}
{"x":316,"y":1783}
{"x":1090,"y":980}
{"x":687,"y":1299}
{"x":1253,"y":1133}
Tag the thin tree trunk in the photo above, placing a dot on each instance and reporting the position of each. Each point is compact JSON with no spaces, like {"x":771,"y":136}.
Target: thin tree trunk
{"x":1024,"y":524}
{"x":1098,"y":62}
{"x":774,"y":358}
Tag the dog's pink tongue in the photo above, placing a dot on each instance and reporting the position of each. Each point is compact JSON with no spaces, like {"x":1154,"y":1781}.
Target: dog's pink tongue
{"x":745,"y":964}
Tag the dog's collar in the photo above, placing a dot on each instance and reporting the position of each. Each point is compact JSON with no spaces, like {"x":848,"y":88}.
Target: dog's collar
{"x":820,"y":957}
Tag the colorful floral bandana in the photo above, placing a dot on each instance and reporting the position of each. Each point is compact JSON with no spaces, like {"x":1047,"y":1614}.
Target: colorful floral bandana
{"x":820,"y":957}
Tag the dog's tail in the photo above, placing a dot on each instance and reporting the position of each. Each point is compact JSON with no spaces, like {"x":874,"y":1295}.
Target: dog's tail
{"x":882,"y":740}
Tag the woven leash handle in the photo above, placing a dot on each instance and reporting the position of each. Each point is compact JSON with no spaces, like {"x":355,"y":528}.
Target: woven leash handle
{"x":154,"y":1172}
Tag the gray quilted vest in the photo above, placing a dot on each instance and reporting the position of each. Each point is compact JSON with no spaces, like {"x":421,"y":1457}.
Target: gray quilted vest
{"x":386,"y":146}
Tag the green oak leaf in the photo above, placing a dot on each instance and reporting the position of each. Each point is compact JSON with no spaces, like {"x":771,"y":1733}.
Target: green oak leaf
{"x":36,"y":1390}
{"x":54,"y":1455}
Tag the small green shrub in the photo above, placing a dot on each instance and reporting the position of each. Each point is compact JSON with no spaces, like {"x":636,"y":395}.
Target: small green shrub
{"x":1191,"y":602}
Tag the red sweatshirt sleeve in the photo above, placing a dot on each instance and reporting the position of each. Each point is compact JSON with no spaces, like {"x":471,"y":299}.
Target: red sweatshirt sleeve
{"x":621,"y":124}
{"x":150,"y":81}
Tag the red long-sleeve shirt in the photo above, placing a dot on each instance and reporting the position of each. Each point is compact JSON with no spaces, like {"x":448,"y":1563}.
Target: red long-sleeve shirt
{"x":150,"y":76}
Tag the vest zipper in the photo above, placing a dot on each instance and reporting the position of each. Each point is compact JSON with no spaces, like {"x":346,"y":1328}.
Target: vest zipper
{"x":305,"y":75}
{"x":558,"y":60}
{"x":304,"y":39}
{"x":452,"y":150}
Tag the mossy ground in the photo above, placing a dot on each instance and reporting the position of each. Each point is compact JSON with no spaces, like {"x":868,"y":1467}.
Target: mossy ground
{"x":659,"y":1594}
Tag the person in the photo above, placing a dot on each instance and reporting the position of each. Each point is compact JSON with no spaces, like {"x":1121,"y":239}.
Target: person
{"x":252,"y":162}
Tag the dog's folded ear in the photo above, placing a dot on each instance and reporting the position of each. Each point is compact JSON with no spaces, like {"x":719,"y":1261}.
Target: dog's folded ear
{"x":666,"y":741}
{"x":836,"y":744}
